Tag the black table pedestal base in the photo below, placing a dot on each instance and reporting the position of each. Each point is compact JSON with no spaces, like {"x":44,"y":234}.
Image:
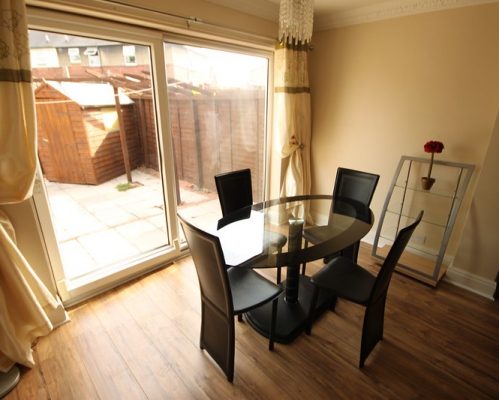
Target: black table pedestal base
{"x":291,"y":317}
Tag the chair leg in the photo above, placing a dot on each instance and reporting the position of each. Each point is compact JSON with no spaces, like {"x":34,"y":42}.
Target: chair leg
{"x":304,"y":264}
{"x":278,"y":278}
{"x":231,"y":349}
{"x":272,"y":323}
{"x":351,"y":252}
{"x":218,"y":337}
{"x":356,"y":247}
{"x":311,"y":311}
{"x":229,"y":371}
{"x":240,"y":317}
{"x":372,"y":329}
{"x":201,"y":341}
{"x":332,"y":305}
{"x":331,"y":256}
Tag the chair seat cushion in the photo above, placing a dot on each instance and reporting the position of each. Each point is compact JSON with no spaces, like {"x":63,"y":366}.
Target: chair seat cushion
{"x":275,"y":239}
{"x":249,"y":289}
{"x":319,"y":234}
{"x":345,"y":279}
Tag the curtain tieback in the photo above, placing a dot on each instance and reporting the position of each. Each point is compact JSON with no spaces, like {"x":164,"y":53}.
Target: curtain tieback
{"x":292,"y":146}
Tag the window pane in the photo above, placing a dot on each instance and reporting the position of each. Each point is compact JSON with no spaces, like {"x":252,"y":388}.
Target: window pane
{"x":217,"y":103}
{"x":95,"y":117}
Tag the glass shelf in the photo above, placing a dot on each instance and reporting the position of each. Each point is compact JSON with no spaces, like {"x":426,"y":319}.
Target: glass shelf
{"x":425,"y":256}
{"x":427,"y":192}
{"x":415,"y":248}
{"x":423,"y":221}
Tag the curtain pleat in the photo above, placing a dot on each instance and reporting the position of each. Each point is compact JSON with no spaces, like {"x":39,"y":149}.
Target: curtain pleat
{"x":292,"y":121}
{"x":27,"y":309}
{"x":17,"y":112}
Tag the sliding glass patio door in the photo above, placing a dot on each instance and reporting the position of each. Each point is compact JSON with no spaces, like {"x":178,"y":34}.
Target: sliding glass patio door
{"x":102,"y":190}
{"x":130,"y":128}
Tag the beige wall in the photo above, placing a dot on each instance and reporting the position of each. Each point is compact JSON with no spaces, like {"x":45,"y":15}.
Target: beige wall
{"x":381,"y":90}
{"x":478,"y":252}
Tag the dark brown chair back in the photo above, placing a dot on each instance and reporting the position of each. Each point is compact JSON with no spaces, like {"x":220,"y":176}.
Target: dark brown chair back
{"x":384,"y":276}
{"x":234,"y":190}
{"x":355,"y":185}
{"x":218,"y":286}
{"x":210,"y":267}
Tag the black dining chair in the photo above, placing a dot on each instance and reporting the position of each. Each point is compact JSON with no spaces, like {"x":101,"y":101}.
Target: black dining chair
{"x":225,"y":292}
{"x":348,"y":280}
{"x":234,"y":190}
{"x":235,"y":193}
{"x":349,"y":184}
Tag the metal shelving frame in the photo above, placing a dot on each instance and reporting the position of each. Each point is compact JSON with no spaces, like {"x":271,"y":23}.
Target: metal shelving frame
{"x":465,"y":172}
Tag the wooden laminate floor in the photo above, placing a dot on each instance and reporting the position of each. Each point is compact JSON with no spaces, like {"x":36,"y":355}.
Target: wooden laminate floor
{"x":140,"y":341}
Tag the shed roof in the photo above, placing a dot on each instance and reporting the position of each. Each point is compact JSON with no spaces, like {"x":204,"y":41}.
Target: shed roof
{"x":88,"y":94}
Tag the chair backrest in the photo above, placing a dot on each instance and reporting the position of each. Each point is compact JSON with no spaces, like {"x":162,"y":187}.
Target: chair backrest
{"x":355,"y":185}
{"x":234,"y":190}
{"x":386,"y":271}
{"x":209,"y":261}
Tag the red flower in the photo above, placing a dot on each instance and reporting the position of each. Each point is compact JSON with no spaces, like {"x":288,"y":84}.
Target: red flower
{"x":433,"y":146}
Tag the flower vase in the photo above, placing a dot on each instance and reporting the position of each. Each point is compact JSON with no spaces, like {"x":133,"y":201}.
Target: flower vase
{"x":427,"y":182}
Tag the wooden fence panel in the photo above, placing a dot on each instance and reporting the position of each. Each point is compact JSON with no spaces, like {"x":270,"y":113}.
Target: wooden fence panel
{"x":212,"y":135}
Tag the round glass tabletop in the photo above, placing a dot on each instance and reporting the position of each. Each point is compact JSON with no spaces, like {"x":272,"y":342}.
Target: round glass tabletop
{"x":269,"y":234}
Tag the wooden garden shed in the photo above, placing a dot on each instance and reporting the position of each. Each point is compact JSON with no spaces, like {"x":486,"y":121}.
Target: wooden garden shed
{"x":78,"y":132}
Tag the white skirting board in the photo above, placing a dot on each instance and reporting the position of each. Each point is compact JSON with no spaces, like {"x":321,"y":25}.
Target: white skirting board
{"x":458,"y":277}
{"x":471,"y":282}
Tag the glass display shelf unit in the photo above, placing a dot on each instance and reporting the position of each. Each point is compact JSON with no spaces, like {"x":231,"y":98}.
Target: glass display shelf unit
{"x":425,"y":256}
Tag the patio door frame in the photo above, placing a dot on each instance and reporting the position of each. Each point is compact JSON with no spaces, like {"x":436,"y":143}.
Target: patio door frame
{"x":66,"y":23}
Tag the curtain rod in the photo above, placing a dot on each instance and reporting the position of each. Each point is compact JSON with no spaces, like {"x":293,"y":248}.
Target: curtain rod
{"x":186,"y":19}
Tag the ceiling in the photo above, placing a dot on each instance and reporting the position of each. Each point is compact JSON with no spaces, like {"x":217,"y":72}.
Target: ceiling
{"x":333,"y":13}
{"x":326,"y":7}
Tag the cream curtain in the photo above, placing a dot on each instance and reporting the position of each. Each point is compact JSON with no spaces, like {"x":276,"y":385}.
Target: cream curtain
{"x":292,"y":124}
{"x":27,"y":308}
{"x":17,"y":119}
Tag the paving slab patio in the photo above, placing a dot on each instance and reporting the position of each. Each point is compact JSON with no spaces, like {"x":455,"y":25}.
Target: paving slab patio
{"x":97,"y":225}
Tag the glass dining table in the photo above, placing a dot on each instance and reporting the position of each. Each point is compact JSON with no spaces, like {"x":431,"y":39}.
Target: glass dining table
{"x":247,"y":238}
